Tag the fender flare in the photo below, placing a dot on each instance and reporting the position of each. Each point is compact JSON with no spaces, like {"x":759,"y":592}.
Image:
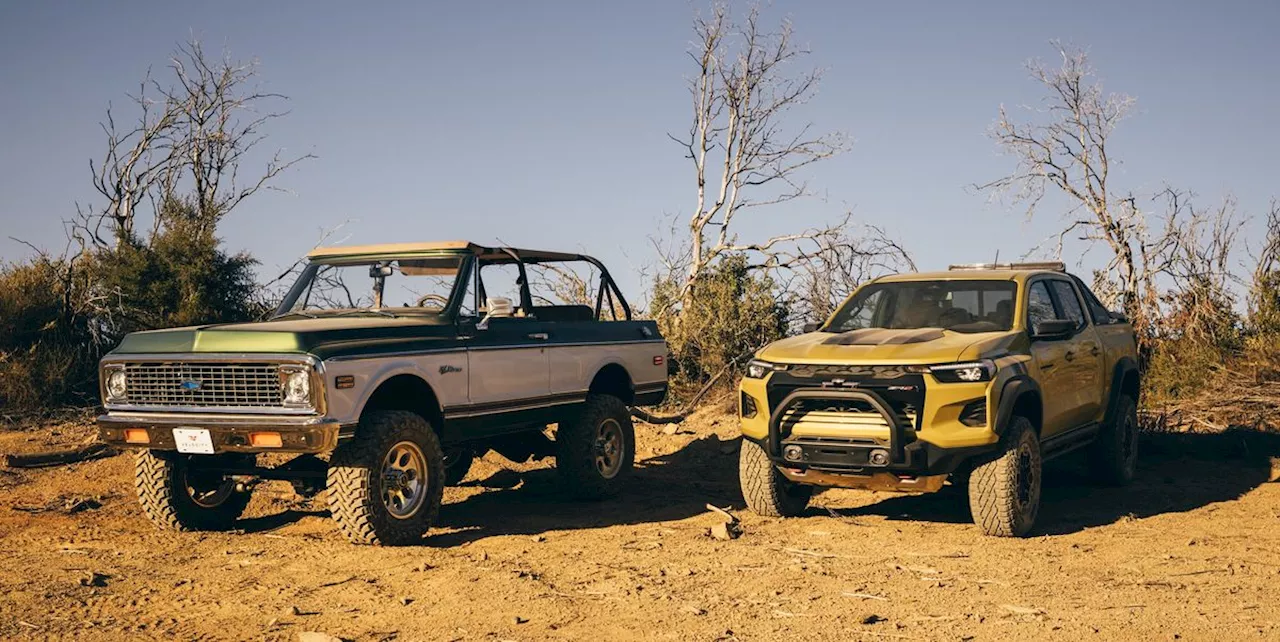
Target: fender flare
{"x":1014,"y":389}
{"x":387,"y":373}
{"x":1123,"y":369}
{"x":610,"y":363}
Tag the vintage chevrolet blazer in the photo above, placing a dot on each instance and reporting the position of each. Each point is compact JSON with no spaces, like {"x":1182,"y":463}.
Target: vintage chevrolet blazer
{"x":387,"y":369}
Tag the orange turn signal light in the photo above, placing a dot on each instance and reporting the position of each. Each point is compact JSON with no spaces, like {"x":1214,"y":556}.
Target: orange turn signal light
{"x":136,"y":436}
{"x":265,"y":440}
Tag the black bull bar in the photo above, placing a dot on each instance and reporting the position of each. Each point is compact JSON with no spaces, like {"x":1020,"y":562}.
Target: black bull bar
{"x":897,"y":438}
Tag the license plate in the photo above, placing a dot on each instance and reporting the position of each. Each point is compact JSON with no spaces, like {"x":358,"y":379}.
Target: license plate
{"x":195,"y":441}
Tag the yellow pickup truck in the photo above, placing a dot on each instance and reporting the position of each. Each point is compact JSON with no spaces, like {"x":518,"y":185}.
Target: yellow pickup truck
{"x":975,"y":376}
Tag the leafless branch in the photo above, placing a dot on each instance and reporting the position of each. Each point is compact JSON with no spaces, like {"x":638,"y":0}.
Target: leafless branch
{"x":743,"y":154}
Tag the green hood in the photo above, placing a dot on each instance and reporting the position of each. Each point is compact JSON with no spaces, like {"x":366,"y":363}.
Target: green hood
{"x":323,"y":337}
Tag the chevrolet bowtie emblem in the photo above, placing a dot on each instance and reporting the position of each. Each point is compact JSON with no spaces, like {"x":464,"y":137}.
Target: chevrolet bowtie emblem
{"x":839,"y":383}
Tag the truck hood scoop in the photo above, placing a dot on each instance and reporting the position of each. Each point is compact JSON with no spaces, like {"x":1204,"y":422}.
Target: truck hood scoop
{"x":884,"y":336}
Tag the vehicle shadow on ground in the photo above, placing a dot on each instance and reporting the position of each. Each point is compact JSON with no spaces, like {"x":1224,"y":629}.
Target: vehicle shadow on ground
{"x":275,"y":521}
{"x":668,"y":487}
{"x":1177,"y":472}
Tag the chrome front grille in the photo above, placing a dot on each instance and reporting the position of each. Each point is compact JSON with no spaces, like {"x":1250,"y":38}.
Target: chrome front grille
{"x":203,"y":385}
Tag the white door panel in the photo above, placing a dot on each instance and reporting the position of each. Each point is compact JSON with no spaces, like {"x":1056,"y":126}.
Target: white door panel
{"x":572,"y":367}
{"x":507,"y":374}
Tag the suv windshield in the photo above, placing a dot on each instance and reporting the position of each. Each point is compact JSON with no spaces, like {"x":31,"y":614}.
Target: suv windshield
{"x":386,"y":286}
{"x":961,"y":306}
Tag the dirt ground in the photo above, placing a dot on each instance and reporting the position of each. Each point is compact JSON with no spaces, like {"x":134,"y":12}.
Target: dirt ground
{"x":1190,"y":551}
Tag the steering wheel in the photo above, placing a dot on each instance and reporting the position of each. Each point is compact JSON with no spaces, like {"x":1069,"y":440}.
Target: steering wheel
{"x":953,"y":316}
{"x":422,"y":300}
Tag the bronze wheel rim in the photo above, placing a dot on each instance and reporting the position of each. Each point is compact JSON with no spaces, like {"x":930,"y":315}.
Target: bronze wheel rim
{"x":608,"y":448}
{"x":403,"y":480}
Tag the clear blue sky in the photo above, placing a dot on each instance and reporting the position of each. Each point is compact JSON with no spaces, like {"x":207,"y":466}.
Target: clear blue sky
{"x":544,"y":124}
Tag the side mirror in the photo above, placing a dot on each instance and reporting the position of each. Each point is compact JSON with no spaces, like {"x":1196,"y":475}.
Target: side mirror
{"x":810,"y":327}
{"x":1119,"y":317}
{"x":1053,"y":329}
{"x":498,"y":308}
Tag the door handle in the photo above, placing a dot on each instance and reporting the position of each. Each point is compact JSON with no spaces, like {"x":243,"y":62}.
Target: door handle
{"x":540,"y":336}
{"x":1094,"y":351}
{"x":1047,"y":366}
{"x":1070,"y":355}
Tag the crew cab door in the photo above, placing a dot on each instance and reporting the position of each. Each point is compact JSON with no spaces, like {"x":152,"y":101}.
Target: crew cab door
{"x":1083,"y":356}
{"x":1070,"y":370}
{"x":1049,"y":358}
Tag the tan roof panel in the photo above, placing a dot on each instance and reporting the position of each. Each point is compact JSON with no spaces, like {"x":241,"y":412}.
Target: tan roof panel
{"x":486,"y":253}
{"x":390,"y":248}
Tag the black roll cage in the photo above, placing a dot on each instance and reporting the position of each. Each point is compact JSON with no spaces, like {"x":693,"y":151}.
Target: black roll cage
{"x":607,"y":292}
{"x":472,"y":258}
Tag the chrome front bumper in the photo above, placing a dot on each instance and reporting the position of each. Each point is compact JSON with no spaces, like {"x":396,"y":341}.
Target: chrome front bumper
{"x":230,"y":433}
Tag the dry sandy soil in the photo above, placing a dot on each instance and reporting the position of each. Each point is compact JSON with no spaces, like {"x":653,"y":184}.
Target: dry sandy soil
{"x":1190,"y":551}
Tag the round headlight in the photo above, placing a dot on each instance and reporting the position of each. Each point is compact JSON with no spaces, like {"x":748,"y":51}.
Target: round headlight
{"x":297,"y":388}
{"x":116,"y":385}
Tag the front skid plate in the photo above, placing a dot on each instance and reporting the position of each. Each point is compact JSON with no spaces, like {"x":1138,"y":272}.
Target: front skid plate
{"x":881,"y":481}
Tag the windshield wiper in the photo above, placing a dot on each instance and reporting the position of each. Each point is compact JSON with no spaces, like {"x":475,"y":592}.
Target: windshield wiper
{"x":295,"y":313}
{"x":367,"y":311}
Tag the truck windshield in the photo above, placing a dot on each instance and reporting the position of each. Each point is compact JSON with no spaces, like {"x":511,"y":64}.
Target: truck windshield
{"x":960,"y":306}
{"x":388,"y":287}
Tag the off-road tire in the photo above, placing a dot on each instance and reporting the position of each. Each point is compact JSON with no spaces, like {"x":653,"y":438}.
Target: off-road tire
{"x":457,"y":464}
{"x":1004,"y":488}
{"x":578,"y":447}
{"x":766,"y":491}
{"x":355,"y":480}
{"x":1113,"y":456}
{"x":160,"y":477}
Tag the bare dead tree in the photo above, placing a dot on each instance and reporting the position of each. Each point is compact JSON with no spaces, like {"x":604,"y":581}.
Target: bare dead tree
{"x":1063,"y":149}
{"x":137,"y":158}
{"x":561,"y":284}
{"x":189,"y":141}
{"x":1264,"y":287}
{"x":743,"y":153}
{"x":837,"y":265}
{"x":1199,"y":269}
{"x":220,"y":116}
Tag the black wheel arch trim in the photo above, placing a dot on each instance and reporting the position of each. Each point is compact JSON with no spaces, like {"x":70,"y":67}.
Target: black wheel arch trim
{"x":1125,"y":367}
{"x":1014,"y":389}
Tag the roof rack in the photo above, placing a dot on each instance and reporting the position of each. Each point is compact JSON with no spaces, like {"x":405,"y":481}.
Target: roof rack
{"x":1056,"y":266}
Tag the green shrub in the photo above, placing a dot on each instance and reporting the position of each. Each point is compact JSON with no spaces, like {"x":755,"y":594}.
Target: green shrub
{"x":731,"y":312}
{"x":47,"y":354}
{"x":58,"y":316}
{"x":179,"y":279}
